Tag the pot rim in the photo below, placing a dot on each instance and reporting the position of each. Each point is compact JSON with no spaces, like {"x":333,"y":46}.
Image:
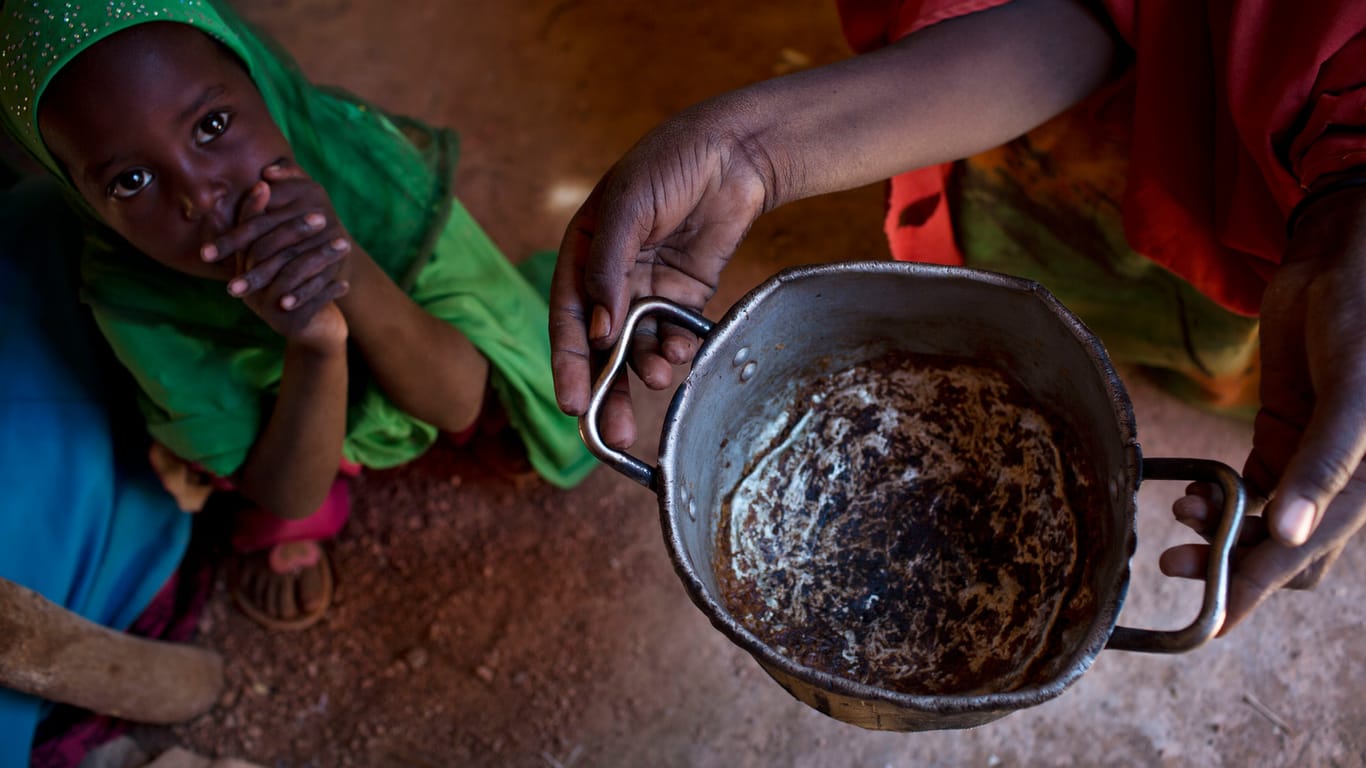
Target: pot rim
{"x":1107,"y":613}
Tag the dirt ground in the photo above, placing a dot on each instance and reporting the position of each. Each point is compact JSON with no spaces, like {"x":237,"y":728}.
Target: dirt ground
{"x":484,"y":623}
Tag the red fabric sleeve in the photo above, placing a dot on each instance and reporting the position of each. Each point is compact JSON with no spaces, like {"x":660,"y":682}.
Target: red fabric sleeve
{"x":870,"y":24}
{"x":918,"y":224}
{"x":1239,"y":106}
{"x":1333,"y":138}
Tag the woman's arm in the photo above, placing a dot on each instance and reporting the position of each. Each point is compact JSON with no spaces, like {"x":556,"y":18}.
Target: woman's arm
{"x":668,"y":216}
{"x":943,"y":93}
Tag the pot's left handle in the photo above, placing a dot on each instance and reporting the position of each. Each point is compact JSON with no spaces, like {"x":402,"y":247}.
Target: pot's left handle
{"x":623,"y":462}
{"x":1215,"y":604}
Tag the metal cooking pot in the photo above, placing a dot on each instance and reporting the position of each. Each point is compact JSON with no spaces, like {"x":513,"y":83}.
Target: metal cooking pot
{"x":823,"y":318}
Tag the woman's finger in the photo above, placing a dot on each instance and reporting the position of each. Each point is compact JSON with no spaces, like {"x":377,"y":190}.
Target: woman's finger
{"x":1203,"y":516}
{"x":677,"y":344}
{"x":654,"y":371}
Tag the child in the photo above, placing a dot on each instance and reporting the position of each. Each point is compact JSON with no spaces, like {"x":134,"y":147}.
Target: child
{"x":364,"y":311}
{"x":1235,"y":120}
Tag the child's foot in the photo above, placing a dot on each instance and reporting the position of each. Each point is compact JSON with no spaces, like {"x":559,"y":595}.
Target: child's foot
{"x":288,"y":586}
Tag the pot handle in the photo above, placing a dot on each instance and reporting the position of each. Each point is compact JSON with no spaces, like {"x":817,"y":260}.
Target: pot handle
{"x":623,"y":462}
{"x":1215,"y":605}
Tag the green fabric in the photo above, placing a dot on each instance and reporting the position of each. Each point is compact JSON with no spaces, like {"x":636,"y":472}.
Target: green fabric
{"x":39,"y":37}
{"x":512,"y":327}
{"x":1046,"y":207}
{"x":1090,"y":267}
{"x":208,"y":367}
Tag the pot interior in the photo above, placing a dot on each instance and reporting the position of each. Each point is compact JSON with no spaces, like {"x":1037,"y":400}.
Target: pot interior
{"x":1053,"y":609}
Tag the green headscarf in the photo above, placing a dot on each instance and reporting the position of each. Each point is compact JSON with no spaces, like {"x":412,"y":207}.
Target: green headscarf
{"x":203,"y":360}
{"x":40,"y":37}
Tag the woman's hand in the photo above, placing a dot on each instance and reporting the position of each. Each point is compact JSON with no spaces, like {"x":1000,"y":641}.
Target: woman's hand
{"x":664,"y":221}
{"x":1309,"y":437}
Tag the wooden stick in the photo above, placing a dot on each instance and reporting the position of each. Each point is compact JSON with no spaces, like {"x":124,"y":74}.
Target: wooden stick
{"x":53,"y":653}
{"x":1266,"y":712}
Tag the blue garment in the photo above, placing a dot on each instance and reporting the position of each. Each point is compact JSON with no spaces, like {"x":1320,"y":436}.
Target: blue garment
{"x":81,"y":524}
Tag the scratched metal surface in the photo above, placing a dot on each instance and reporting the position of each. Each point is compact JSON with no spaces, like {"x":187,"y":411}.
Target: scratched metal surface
{"x":907,"y":523}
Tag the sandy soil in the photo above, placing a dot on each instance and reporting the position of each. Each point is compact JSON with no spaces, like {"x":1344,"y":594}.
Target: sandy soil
{"x":484,"y":623}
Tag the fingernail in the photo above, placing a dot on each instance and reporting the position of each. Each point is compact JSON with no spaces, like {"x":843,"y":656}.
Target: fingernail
{"x":288,"y":302}
{"x":237,"y":287}
{"x":1295,"y":521}
{"x":340,"y":245}
{"x":209,"y":252}
{"x":602,"y":323}
{"x":315,"y":220}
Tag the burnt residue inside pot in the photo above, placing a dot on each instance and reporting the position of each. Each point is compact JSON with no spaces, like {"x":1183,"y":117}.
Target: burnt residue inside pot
{"x":910,"y":523}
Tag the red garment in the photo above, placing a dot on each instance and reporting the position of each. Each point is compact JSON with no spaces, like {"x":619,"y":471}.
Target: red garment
{"x":1238,"y":107}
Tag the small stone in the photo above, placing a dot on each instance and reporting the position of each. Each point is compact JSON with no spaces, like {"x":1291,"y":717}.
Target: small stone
{"x":416,"y":658}
{"x":484,"y":673}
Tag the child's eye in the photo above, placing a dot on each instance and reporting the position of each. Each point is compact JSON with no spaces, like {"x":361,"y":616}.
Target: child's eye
{"x":129,"y":183}
{"x":213,"y":125}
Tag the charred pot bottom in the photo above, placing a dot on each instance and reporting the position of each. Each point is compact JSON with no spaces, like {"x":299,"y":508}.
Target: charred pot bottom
{"x":906,"y":523}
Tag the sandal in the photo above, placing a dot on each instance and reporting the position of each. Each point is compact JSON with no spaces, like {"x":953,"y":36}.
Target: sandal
{"x":286,"y":587}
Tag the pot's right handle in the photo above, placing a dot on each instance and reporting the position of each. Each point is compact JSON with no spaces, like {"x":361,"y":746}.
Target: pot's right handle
{"x":1215,"y":605}
{"x":623,"y":462}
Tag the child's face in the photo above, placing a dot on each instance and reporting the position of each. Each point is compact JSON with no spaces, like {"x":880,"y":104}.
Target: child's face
{"x":163,"y":133}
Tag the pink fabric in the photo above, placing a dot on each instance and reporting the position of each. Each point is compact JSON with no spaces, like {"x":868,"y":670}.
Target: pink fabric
{"x":259,"y":529}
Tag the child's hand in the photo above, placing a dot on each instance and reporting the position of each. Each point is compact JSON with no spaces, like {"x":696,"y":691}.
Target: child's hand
{"x":288,"y":240}
{"x":288,"y":259}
